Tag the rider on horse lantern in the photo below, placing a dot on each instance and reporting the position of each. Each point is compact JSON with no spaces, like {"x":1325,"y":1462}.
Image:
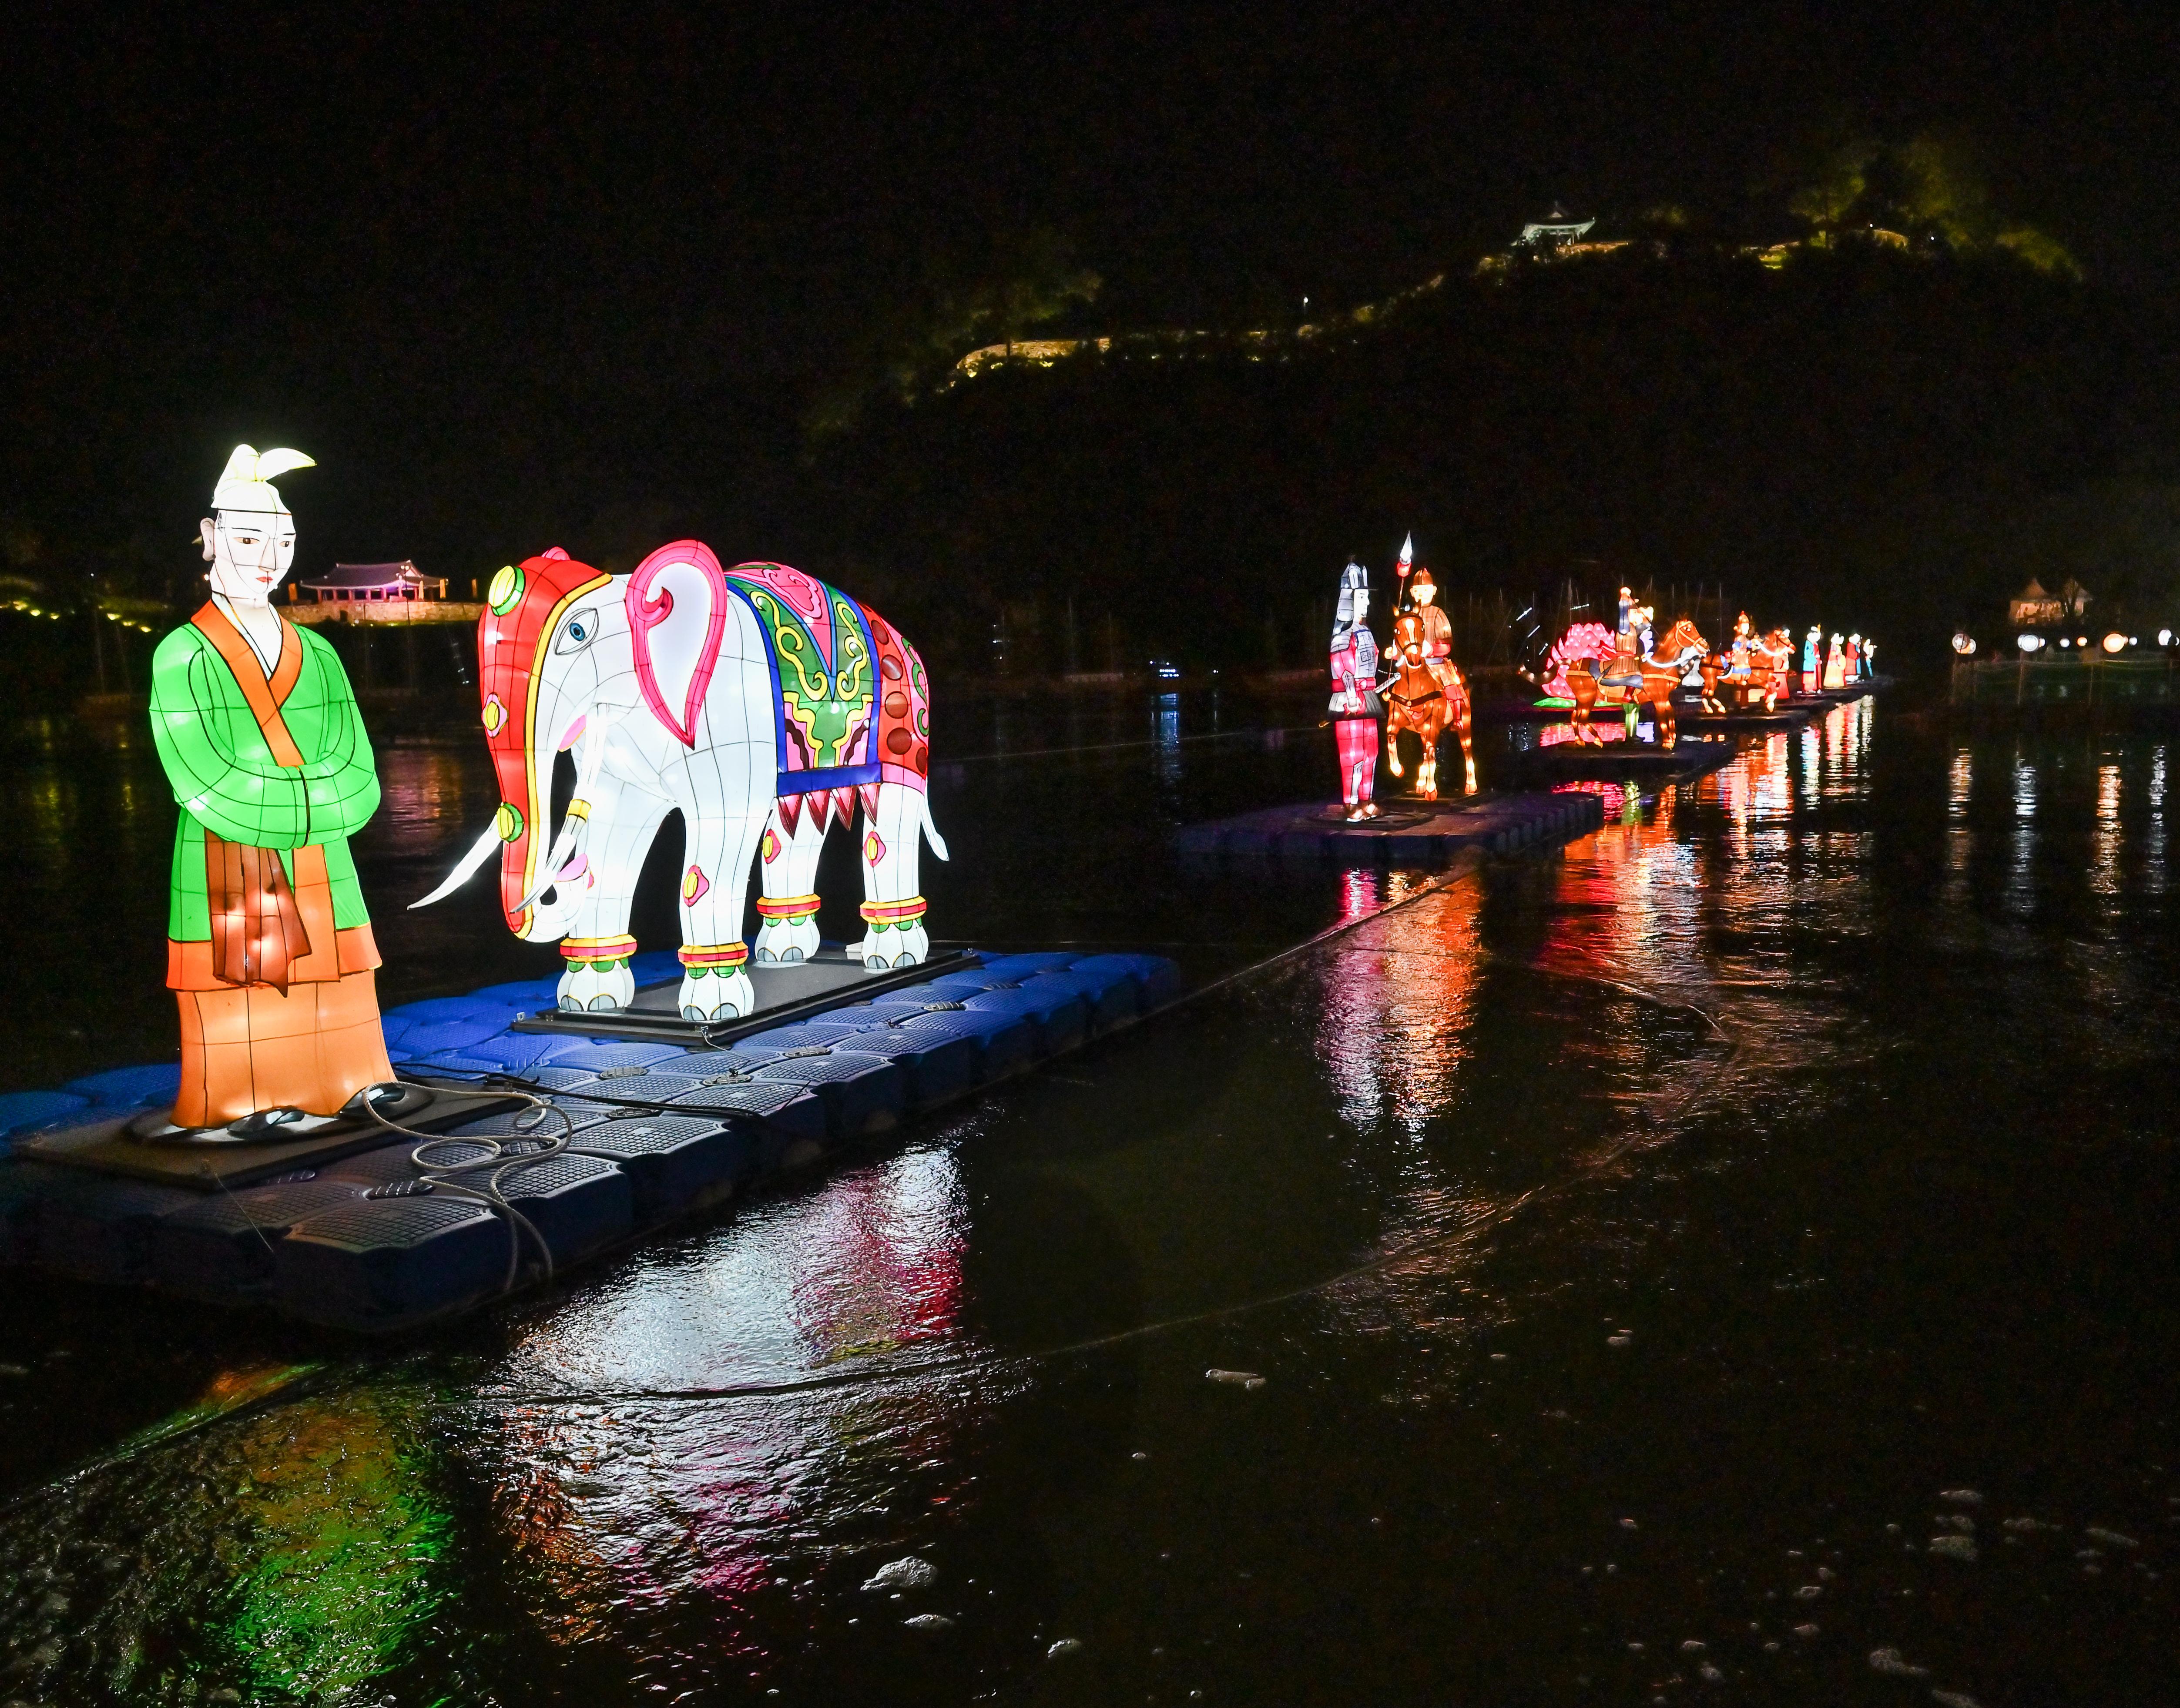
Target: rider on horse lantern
{"x":1428,"y":694}
{"x":1355,"y":706}
{"x":1631,"y":645}
{"x":1739,"y":650}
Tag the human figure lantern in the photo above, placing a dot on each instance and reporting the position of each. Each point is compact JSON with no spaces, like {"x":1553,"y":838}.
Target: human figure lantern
{"x":761,"y":704}
{"x":1631,"y":644}
{"x":1427,"y":694}
{"x":1835,"y":663}
{"x":1812,"y":658}
{"x":269,"y":948}
{"x":1354,"y":706}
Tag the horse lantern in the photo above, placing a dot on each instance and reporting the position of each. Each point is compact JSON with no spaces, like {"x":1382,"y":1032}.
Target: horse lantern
{"x":1628,"y":681}
{"x":1427,"y":694}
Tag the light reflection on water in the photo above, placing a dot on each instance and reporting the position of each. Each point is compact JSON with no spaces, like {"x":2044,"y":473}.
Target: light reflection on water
{"x":675,"y":1473}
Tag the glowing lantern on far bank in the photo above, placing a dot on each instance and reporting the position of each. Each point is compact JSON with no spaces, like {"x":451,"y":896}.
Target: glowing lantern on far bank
{"x":2114,"y":643}
{"x":1964,"y":644}
{"x":2029,"y":643}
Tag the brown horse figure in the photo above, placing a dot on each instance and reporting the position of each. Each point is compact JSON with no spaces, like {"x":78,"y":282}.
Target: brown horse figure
{"x":1660,"y":675}
{"x":1428,"y":702}
{"x":1770,"y":677}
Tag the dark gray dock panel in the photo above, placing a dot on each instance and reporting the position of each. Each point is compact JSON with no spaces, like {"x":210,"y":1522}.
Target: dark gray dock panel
{"x":1407,"y":832}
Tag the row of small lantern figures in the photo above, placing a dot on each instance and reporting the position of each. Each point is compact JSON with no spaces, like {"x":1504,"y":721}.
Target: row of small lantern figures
{"x":2030,"y":643}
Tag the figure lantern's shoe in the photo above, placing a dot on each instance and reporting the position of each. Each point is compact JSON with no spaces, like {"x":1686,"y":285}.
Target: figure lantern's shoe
{"x":247,"y":1048}
{"x":280,"y":1122}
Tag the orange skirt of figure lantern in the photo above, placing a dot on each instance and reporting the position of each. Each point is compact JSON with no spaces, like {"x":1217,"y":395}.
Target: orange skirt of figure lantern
{"x":312,"y":1046}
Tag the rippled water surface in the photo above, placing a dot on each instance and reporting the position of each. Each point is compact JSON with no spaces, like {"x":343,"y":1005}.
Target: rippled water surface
{"x":1732,"y":1259}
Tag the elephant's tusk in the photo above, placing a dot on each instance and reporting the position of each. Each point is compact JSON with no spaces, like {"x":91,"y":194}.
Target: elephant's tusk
{"x":485,"y":844}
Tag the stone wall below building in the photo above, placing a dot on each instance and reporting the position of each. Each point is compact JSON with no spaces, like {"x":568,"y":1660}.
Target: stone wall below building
{"x":397,"y":612}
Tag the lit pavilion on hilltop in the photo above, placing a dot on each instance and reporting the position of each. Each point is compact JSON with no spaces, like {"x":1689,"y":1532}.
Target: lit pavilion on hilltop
{"x":347,"y":583}
{"x":1554,"y":232}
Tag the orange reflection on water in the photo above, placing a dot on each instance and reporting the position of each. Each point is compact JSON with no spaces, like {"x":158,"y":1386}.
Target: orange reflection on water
{"x":1399,"y":1000}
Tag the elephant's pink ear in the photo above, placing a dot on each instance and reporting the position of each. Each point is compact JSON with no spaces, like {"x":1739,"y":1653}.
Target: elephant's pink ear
{"x":677,"y":615}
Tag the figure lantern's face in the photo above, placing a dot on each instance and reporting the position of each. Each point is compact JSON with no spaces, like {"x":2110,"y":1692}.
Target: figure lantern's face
{"x":249,"y":550}
{"x":1425,"y":592}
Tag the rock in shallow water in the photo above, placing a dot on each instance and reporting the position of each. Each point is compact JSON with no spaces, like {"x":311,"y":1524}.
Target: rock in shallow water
{"x":1954,"y":1548}
{"x":929,"y":1622}
{"x":907,"y":1572}
{"x":1236,"y":1378}
{"x":1895,"y":1665}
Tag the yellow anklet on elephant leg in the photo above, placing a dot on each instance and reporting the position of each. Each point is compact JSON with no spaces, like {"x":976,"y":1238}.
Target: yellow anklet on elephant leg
{"x":601,"y":953}
{"x":722,"y":960}
{"x":786,"y":909}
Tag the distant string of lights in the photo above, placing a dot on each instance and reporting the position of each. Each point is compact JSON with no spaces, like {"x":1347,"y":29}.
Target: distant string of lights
{"x":29,"y":609}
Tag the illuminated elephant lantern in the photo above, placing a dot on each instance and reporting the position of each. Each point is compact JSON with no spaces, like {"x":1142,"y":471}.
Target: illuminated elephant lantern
{"x":761,"y":703}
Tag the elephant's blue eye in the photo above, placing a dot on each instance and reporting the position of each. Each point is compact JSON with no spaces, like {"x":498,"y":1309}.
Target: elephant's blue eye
{"x":577,"y":633}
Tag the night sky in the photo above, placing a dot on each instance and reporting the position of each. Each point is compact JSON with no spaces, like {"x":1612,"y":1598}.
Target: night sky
{"x":464,"y":255}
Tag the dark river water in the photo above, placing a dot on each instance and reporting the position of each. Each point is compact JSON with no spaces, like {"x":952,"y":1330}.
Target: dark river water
{"x":1730,"y":1260}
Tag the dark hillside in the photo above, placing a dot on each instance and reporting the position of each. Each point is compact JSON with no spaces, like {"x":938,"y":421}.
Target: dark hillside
{"x":1887,"y":441}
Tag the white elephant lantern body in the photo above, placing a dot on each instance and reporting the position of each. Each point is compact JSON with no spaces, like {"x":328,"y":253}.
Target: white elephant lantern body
{"x":759,"y":702}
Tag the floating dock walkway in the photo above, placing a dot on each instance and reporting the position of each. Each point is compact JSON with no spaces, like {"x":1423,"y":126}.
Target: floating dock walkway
{"x":1621,"y":761}
{"x":1408,"y":832}
{"x":360,"y":1237}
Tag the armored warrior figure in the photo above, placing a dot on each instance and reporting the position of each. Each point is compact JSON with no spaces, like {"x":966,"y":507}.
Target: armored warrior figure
{"x":269,"y":948}
{"x":1355,"y":706}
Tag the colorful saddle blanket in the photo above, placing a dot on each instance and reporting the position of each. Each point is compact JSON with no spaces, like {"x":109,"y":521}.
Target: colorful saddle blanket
{"x":825,"y":676}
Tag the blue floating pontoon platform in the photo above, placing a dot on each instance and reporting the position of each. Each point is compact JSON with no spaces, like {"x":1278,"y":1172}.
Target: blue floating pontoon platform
{"x":667,"y":1116}
{"x":1407,"y":831}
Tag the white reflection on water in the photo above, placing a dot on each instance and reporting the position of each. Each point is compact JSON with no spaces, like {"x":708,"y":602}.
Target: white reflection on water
{"x":2153,"y":858}
{"x":1960,"y":840}
{"x":684,"y":1511}
{"x":2019,"y":898}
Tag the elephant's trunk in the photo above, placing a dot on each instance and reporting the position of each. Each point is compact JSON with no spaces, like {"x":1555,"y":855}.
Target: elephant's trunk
{"x":526,"y":721}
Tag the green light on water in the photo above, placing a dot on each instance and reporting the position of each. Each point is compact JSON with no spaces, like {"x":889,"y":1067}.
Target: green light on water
{"x":332,"y":1553}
